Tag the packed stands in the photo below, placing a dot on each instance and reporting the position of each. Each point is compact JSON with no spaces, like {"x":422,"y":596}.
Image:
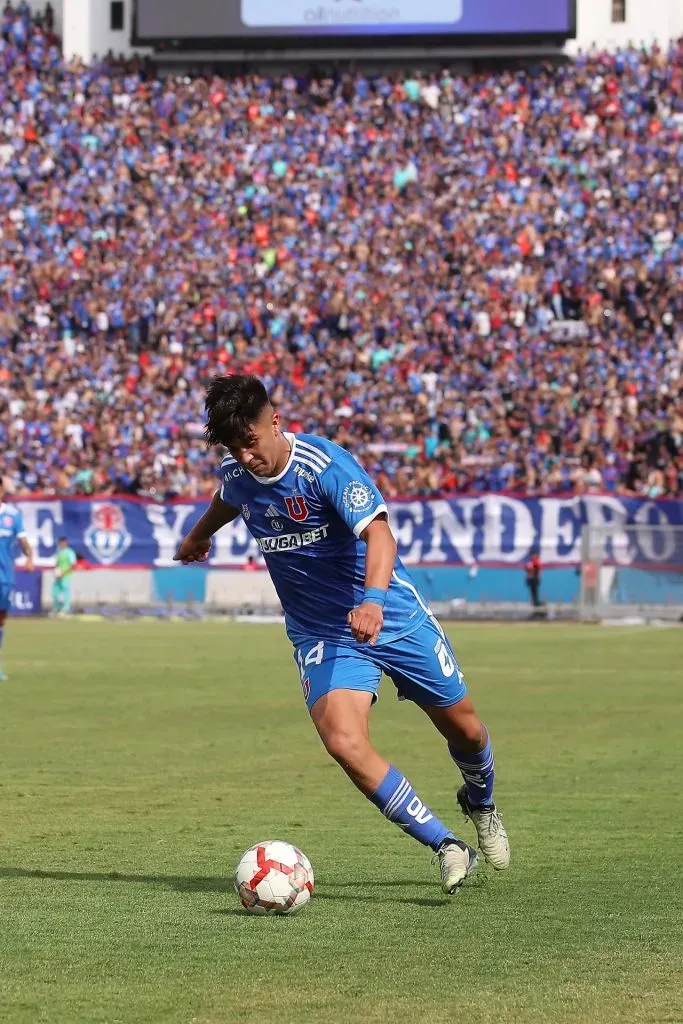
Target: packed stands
{"x":473,"y":282}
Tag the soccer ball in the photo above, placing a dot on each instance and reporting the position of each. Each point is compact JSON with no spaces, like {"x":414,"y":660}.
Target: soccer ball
{"x":274,"y":878}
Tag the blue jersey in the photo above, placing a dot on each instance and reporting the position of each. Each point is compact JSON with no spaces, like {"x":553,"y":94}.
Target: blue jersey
{"x":11,"y":528}
{"x":307,"y":522}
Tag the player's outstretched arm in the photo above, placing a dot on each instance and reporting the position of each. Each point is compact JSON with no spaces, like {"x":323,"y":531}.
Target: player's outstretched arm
{"x":367,"y":619}
{"x":196,"y":546}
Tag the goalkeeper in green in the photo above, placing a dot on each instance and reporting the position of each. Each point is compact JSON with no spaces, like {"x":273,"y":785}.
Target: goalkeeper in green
{"x":61,"y":588}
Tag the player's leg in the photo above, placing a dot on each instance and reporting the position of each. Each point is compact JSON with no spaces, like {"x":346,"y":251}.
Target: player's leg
{"x":5,"y":590}
{"x":57,"y":596}
{"x":470,"y":748}
{"x":66,"y":597}
{"x":425,"y":670}
{"x":341,"y":718}
{"x":339,"y":685}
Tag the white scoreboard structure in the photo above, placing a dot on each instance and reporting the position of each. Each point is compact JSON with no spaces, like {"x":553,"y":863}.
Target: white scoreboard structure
{"x":184,"y":30}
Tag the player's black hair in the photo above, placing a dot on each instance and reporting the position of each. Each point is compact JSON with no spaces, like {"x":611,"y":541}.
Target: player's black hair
{"x":233,"y":404}
{"x":62,"y":538}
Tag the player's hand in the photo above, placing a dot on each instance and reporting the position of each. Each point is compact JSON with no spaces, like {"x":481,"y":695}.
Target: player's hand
{"x":192,"y":550}
{"x":28,"y":565}
{"x":366,"y":622}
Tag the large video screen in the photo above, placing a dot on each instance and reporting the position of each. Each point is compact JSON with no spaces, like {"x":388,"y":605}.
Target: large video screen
{"x":214,"y":20}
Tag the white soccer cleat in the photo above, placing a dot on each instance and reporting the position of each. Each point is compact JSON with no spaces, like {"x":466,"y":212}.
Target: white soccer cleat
{"x":457,"y":860}
{"x":493,"y":839}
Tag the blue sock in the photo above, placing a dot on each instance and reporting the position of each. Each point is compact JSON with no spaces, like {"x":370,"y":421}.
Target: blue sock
{"x":2,"y":635}
{"x":478,"y":773}
{"x":398,"y":802}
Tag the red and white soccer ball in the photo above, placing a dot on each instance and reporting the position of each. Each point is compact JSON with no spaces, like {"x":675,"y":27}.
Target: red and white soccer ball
{"x":274,"y":878}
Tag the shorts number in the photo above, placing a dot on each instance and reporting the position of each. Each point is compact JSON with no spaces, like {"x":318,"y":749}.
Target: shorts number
{"x":445,"y":660}
{"x":314,"y":657}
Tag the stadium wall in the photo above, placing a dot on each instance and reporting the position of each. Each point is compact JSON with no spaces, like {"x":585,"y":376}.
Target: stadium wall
{"x":234,"y":591}
{"x":654,"y":21}
{"x":86,"y":28}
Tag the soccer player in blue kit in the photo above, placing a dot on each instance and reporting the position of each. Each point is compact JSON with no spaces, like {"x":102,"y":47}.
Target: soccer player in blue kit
{"x":351,"y":612}
{"x":11,"y":531}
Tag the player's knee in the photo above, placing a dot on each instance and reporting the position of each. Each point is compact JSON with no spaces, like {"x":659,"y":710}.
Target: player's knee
{"x":3,"y":616}
{"x":466,"y":731}
{"x":472,"y":732}
{"x":347,"y":747}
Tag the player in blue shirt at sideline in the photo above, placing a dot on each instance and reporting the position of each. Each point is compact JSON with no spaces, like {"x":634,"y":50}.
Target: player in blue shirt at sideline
{"x":351,"y":612}
{"x":11,"y":531}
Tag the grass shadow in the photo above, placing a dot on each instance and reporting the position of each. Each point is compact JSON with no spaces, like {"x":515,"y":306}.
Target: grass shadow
{"x":387,"y":884}
{"x":223,"y":886}
{"x":178,"y":882}
{"x":369,"y":898}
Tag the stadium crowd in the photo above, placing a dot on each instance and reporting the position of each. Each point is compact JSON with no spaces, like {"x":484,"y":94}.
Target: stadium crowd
{"x":474,"y":282}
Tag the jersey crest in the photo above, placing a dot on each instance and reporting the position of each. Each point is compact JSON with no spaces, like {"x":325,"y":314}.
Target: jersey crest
{"x":297,"y":509}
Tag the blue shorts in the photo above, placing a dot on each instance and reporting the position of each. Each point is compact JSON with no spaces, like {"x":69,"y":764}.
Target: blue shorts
{"x":422,"y":666}
{"x":5,"y":595}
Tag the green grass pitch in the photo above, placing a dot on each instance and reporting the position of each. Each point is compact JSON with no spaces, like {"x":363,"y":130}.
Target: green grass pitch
{"x":140,"y":760}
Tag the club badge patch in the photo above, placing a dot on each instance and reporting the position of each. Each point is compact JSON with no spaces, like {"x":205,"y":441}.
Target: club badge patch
{"x":358,"y":497}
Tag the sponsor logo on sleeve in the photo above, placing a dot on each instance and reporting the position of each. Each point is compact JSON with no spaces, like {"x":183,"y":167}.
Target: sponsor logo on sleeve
{"x":357,"y":497}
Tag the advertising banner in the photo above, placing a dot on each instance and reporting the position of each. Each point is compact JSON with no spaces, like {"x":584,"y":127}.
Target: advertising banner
{"x":26,"y":596}
{"x":490,"y":529}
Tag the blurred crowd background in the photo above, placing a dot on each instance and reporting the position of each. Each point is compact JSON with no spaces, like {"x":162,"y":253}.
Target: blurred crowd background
{"x":475,"y":283}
